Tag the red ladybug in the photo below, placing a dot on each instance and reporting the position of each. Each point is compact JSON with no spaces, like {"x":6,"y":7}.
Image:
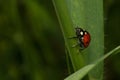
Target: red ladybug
{"x":83,"y":38}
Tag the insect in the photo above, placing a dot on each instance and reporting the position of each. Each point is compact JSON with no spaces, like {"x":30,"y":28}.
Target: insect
{"x":83,"y":37}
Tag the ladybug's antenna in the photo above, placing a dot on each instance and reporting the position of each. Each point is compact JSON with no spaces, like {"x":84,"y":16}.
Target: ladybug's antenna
{"x":76,"y":27}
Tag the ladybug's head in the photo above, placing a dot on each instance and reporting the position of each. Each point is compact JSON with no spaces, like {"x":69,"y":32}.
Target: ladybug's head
{"x":79,"y":32}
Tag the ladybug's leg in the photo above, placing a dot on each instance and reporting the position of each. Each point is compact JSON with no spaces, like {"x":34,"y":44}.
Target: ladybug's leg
{"x":74,"y":37}
{"x":75,"y":45}
{"x":78,"y":44}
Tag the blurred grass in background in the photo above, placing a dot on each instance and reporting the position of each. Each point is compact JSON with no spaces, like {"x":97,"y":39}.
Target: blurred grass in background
{"x":31,"y":42}
{"x":112,"y":38}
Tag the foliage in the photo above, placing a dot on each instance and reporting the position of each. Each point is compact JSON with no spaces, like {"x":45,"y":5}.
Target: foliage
{"x":32,"y":45}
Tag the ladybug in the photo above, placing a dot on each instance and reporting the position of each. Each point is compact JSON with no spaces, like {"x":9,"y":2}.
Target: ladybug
{"x":83,"y":37}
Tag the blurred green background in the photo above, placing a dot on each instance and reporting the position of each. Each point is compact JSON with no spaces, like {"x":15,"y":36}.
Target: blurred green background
{"x":32,"y":45}
{"x":112,"y":38}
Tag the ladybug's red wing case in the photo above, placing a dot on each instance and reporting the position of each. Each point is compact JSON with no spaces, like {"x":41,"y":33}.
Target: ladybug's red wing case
{"x":86,"y":39}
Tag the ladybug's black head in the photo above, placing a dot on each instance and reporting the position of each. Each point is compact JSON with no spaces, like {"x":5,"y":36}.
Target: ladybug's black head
{"x":79,"y":32}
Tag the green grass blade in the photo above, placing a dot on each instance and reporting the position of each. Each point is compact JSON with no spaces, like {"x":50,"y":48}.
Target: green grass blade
{"x":88,"y":14}
{"x":78,"y":75}
{"x":68,"y":31}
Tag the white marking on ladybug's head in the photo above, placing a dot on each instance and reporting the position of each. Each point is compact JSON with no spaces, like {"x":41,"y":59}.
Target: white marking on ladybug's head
{"x":81,"y":33}
{"x":85,"y":32}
